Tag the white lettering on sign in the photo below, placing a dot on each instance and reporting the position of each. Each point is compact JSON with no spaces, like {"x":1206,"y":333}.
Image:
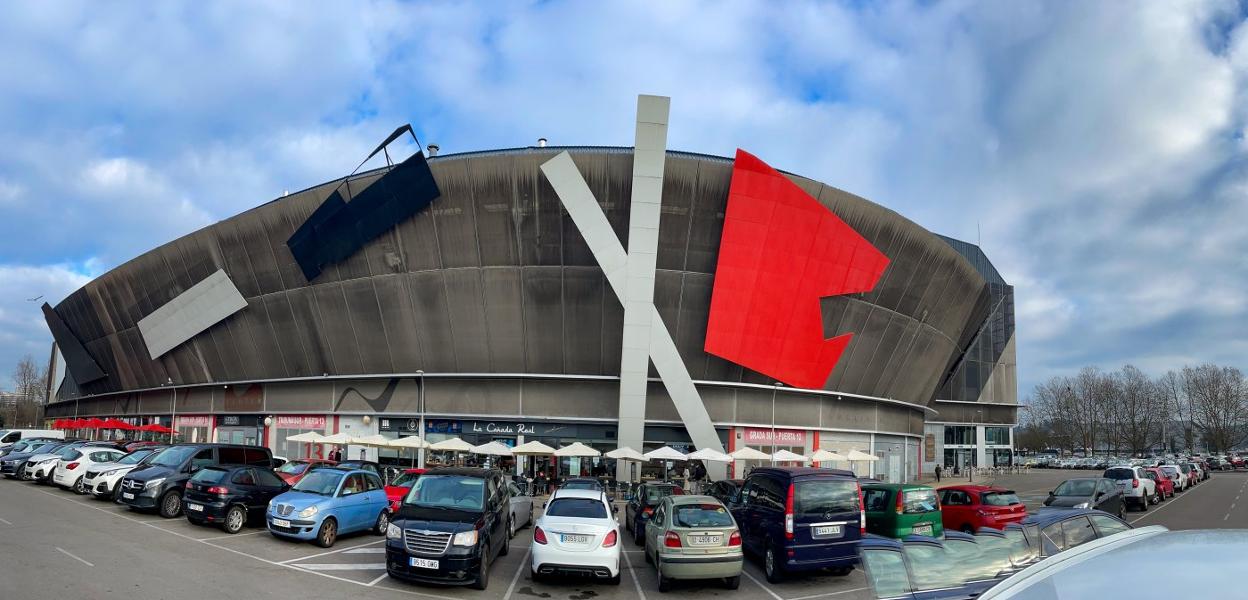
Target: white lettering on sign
{"x":781,"y":437}
{"x":198,"y":421}
{"x":288,"y":422}
{"x":493,"y":427}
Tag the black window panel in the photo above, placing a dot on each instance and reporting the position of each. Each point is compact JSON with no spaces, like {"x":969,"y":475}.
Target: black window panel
{"x":77,"y":358}
{"x":232,"y":456}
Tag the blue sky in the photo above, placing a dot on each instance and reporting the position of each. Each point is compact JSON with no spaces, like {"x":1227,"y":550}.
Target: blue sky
{"x":1099,"y":146}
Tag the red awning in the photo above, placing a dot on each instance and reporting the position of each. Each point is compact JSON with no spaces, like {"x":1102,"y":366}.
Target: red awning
{"x":93,"y":423}
{"x":58,"y":424}
{"x":75,"y":424}
{"x":117,"y":424}
{"x":157,"y":428}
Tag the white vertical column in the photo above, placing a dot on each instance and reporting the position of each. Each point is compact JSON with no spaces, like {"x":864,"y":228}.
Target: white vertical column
{"x":649,"y":155}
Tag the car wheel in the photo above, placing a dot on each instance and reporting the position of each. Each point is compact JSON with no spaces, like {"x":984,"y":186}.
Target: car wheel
{"x":328,"y":533}
{"x":732,"y":583}
{"x":665,"y":583}
{"x":1143,"y":503}
{"x":842,"y":571}
{"x":171,"y":505}
{"x":483,"y":575}
{"x":506,"y":543}
{"x":235,"y":518}
{"x":771,"y":565}
{"x":383,"y":522}
{"x":534,"y":576}
{"x":79,"y":487}
{"x":1121,"y":512}
{"x":615,"y":579}
{"x":511,"y":527}
{"x":968,"y":529}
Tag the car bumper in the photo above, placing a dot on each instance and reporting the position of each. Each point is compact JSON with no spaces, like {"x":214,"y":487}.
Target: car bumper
{"x":100,"y":487}
{"x":38,"y":473}
{"x":12,"y":470}
{"x":701,"y":567}
{"x":212,"y":512}
{"x":65,"y":478}
{"x":452,"y":570}
{"x":141,"y":499}
{"x":602,"y":563}
{"x":300,"y":529}
{"x":823,"y":556}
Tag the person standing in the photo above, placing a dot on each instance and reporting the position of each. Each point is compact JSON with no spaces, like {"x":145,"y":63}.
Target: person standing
{"x":937,"y":473}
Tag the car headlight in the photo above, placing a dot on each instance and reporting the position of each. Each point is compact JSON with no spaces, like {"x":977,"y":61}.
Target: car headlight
{"x":307,"y":512}
{"x":393,"y":532}
{"x":1082,"y":505}
{"x":465,"y":538}
{"x":153,"y":483}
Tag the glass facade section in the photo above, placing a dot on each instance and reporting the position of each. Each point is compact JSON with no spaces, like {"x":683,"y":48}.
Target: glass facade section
{"x":997,"y":436}
{"x":959,"y":435}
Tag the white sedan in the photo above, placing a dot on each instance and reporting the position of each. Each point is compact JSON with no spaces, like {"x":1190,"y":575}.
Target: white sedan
{"x":70,"y":470}
{"x":577,"y":535}
{"x":101,"y":479}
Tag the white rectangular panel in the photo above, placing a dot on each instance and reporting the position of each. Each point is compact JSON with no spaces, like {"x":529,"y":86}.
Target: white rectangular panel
{"x":203,"y":305}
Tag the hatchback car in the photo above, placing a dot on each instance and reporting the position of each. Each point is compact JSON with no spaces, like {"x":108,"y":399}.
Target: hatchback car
{"x":13,"y":464}
{"x":970,"y":507}
{"x":642,"y":504}
{"x":1062,"y":529}
{"x":230,"y":495}
{"x":1161,"y":481}
{"x":693,"y":537}
{"x":898,"y":509}
{"x":801,"y":519}
{"x":1088,"y":492}
{"x":578,"y":535}
{"x":1176,"y":475}
{"x":397,"y":489}
{"x":1136,"y":487}
{"x":292,"y":471}
{"x":328,"y":503}
{"x":71,"y":470}
{"x":101,"y":480}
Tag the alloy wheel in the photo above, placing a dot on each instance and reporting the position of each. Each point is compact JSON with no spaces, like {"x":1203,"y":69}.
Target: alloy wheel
{"x":234,"y":520}
{"x":383,"y":522}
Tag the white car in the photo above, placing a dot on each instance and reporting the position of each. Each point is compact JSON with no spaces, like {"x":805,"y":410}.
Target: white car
{"x":521,"y":509}
{"x":101,"y":479}
{"x":71,"y":468}
{"x":1177,"y":476}
{"x":1136,"y":487}
{"x":40,"y":466}
{"x":578,"y":534}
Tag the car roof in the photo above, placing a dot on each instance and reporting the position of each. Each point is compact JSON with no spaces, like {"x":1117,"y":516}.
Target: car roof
{"x":1047,"y":516}
{"x":566,"y":493}
{"x":896,"y":486}
{"x":872,"y":541}
{"x":693,"y":499}
{"x":974,"y":488}
{"x":803,"y":472}
{"x":463,"y":471}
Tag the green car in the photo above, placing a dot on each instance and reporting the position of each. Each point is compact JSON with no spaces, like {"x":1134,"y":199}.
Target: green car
{"x":693,"y":537}
{"x":896,"y":510}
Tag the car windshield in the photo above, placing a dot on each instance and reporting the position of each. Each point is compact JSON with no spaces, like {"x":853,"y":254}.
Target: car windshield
{"x":581,"y":508}
{"x":320,"y":481}
{"x":174,"y":456}
{"x":209,"y":475}
{"x":448,"y":491}
{"x":406,"y":480}
{"x":1169,"y":470}
{"x":1120,"y":474}
{"x":134,"y":457}
{"x":701,"y":515}
{"x":25,"y":446}
{"x":1000,"y":499}
{"x":822,"y":496}
{"x":655,"y":493}
{"x":1076,"y":487}
{"x":919,"y":501}
{"x":293,"y":468}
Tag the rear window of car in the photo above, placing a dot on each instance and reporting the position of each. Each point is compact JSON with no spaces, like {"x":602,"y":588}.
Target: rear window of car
{"x":1000,"y":498}
{"x":827,"y":496}
{"x":209,"y":475}
{"x":581,"y":508}
{"x":918,"y":501}
{"x":71,"y":455}
{"x":701,"y":515}
{"x":1120,"y":474}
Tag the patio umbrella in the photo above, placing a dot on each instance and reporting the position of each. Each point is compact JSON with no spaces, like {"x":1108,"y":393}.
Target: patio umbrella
{"x":94,"y":423}
{"x":664,"y":453}
{"x":857,"y":456}
{"x":308,"y":437}
{"x":786,"y":456}
{"x":748,"y":453}
{"x":492,"y":449}
{"x":452,"y":444}
{"x":577,"y":449}
{"x":709,"y":454}
{"x":626,"y":453}
{"x":375,"y":441}
{"x":827,"y":456}
{"x":414,"y":442}
{"x":532,"y":448}
{"x":337,"y":438}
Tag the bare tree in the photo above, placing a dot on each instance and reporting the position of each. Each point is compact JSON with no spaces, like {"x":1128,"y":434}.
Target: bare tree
{"x":1170,"y":386}
{"x":1219,"y":409}
{"x":1136,"y":410}
{"x":30,"y":387}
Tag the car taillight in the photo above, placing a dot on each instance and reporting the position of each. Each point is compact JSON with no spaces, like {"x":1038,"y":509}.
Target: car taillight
{"x":1135,"y":483}
{"x":539,"y":536}
{"x":788,"y":514}
{"x":609,"y":541}
{"x":71,"y":466}
{"x":862,"y":512}
{"x":671,"y":540}
{"x":901,"y":507}
{"x":734,"y":539}
{"x":647,"y":511}
{"x":218,"y":490}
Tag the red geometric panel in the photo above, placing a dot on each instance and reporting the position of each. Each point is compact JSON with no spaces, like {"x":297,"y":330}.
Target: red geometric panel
{"x":780,"y":252}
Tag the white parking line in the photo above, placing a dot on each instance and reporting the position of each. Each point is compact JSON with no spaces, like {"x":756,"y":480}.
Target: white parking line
{"x":633,"y":572}
{"x":366,"y":551}
{"x":66,"y":553}
{"x":343,"y":566}
{"x":760,"y":584}
{"x":1228,"y":515}
{"x":5,"y":522}
{"x":514,"y":578}
{"x":1150,"y":513}
{"x":285,"y":562}
{"x":379,"y":578}
{"x":824,"y":595}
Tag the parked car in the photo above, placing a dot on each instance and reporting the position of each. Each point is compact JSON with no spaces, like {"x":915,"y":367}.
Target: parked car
{"x":581,"y":483}
{"x":639,"y":508}
{"x":900,"y":509}
{"x":8,"y":437}
{"x":725,"y":490}
{"x":132,"y":446}
{"x":71,"y":470}
{"x":365,"y":465}
{"x":693,"y":537}
{"x":1163,"y":482}
{"x":801,"y":519}
{"x":230,"y":495}
{"x":26,"y":444}
{"x":1088,"y":492}
{"x":450,"y":528}
{"x":101,"y":480}
{"x":522,"y":508}
{"x":40,"y":467}
{"x":1136,"y":487}
{"x":970,"y":507}
{"x":328,"y":503}
{"x":577,"y":535}
{"x":1201,"y":469}
{"x":1216,"y":463}
{"x":397,"y":489}
{"x":1176,"y":475}
{"x":160,"y":483}
{"x":1062,"y":529}
{"x":292,"y":471}
{"x":14,"y":464}
{"x":1237,"y":462}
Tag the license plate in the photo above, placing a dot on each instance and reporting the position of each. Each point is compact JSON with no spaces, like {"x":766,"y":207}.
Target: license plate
{"x":127,"y":496}
{"x":573,"y":538}
{"x":281,"y":523}
{"x":828,"y":530}
{"x":424,"y":563}
{"x":704,"y":540}
{"x":922,"y":530}
{"x":195,"y":507}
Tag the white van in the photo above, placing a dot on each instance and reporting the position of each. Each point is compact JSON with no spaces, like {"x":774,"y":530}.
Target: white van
{"x":9,"y":436}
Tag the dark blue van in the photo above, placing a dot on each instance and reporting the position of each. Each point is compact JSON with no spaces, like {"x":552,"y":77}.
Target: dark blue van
{"x":800,"y":519}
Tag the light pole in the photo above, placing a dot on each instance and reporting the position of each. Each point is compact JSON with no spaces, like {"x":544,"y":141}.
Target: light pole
{"x":421,"y":401}
{"x":775,"y":387}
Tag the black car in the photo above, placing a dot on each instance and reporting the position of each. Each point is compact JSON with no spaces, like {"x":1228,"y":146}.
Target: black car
{"x":230,"y":495}
{"x":1063,"y":529}
{"x":450,"y":527}
{"x":159,"y":484}
{"x":725,"y":490}
{"x":642,"y":504}
{"x":1088,"y":492}
{"x":12,"y":464}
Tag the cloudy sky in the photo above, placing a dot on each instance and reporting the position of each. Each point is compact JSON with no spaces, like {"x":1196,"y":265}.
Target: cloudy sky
{"x":1096,"y":148}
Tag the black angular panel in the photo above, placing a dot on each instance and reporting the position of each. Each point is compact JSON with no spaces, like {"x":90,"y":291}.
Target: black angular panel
{"x":338,"y":229}
{"x":80,"y":363}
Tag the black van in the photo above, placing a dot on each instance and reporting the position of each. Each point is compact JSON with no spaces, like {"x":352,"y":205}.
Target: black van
{"x":801,"y":519}
{"x":161,"y":482}
{"x":450,"y":527}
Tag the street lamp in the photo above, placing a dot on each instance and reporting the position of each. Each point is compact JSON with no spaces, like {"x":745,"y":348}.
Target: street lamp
{"x":421,"y":401}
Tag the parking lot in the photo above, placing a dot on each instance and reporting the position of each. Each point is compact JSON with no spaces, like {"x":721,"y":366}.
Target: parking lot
{"x":57,"y":544}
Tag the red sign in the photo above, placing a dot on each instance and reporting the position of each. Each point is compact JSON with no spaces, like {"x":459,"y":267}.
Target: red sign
{"x":287,"y":422}
{"x":780,"y":252}
{"x":758,"y":436}
{"x":196,"y":421}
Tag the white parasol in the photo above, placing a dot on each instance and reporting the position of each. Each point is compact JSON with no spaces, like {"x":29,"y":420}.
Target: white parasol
{"x":786,"y":456}
{"x":307,"y":437}
{"x":664,"y":453}
{"x":709,"y":454}
{"x":577,"y":449}
{"x":827,"y":456}
{"x":532,"y":448}
{"x":626,"y":453}
{"x":492,"y":449}
{"x":748,"y":453}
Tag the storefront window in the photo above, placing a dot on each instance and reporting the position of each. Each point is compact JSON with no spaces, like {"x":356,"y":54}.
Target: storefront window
{"x":960,"y":435}
{"x":286,"y":426}
{"x":843,"y":443}
{"x":1002,"y":457}
{"x":959,"y":458}
{"x":193,"y":429}
{"x":997,"y":436}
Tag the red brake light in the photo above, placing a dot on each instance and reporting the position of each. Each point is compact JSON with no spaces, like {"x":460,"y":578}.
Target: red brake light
{"x":1135,"y":483}
{"x":647,"y":511}
{"x":734,"y":539}
{"x":862,"y":511}
{"x":71,"y":466}
{"x":671,"y":540}
{"x":788,"y":513}
{"x":539,"y":536}
{"x":901,"y":507}
{"x":218,"y":490}
{"x":610,"y":540}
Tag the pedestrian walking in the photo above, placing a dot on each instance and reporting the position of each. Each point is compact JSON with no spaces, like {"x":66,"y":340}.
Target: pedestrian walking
{"x":937,"y":473}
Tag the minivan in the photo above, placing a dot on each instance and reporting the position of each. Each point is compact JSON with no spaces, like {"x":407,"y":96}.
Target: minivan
{"x":801,"y":519}
{"x":161,"y":482}
{"x":897,"y":510}
{"x":10,"y":436}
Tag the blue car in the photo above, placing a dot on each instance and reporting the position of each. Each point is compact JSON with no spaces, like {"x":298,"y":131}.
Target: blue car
{"x":327,"y":503}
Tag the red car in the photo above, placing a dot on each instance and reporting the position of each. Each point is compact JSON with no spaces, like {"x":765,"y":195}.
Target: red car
{"x":1237,"y":462}
{"x":400,"y":486}
{"x":294,"y":470}
{"x":969,"y":507}
{"x":1165,"y":485}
